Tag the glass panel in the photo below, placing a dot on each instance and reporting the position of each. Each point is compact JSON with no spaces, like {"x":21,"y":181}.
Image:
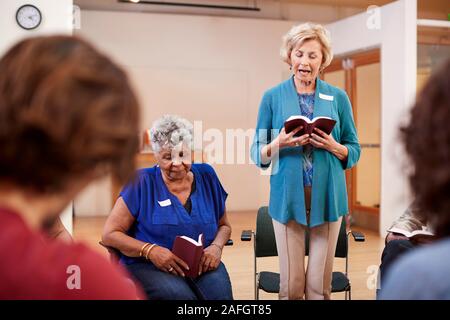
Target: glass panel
{"x":368,"y":94}
{"x":429,"y":57}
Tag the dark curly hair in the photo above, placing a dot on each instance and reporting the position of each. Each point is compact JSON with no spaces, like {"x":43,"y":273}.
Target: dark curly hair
{"x":427,"y":143}
{"x":65,"y":110}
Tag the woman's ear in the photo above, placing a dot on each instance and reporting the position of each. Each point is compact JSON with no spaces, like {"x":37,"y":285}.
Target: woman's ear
{"x":322,"y":67}
{"x":288,"y":60}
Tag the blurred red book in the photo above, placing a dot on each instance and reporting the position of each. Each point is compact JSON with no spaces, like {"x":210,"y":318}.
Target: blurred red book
{"x":190,"y":251}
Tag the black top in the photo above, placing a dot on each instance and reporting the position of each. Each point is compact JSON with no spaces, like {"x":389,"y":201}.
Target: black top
{"x":188,"y":204}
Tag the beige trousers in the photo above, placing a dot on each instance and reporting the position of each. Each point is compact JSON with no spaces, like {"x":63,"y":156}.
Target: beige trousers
{"x":315,"y":283}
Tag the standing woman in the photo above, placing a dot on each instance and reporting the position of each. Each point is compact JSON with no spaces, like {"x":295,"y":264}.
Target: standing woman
{"x":307,"y":185}
{"x":174,"y":198}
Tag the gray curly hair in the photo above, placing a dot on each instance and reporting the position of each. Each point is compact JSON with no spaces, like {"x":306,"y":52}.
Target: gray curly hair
{"x":169,"y":130}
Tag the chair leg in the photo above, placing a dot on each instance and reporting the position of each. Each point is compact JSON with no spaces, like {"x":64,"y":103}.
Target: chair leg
{"x":257,"y":287}
{"x":257,"y":290}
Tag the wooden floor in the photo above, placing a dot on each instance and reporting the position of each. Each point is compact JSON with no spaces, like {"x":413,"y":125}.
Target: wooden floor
{"x":364,"y":257}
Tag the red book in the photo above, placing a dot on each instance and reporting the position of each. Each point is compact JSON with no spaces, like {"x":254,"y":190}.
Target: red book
{"x":325,"y":124}
{"x":190,"y":251}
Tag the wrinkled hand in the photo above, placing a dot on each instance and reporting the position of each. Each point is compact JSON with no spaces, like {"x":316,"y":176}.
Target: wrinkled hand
{"x":288,"y":140}
{"x":166,"y":261}
{"x":210,"y":259}
{"x":320,"y":139}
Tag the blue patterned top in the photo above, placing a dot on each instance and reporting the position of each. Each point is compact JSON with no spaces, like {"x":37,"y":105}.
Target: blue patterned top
{"x":306,"y":102}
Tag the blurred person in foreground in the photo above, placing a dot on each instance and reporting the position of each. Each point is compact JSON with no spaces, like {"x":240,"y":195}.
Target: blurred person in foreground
{"x":424,"y":272}
{"x":67,"y":117}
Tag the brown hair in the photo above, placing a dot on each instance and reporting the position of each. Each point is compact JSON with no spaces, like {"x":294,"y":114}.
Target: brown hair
{"x":427,"y":142}
{"x":65,"y":110}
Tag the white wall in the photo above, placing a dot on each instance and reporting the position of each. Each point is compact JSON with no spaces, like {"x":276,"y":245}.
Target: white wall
{"x":212,"y":69}
{"x":56,"y":18}
{"x":397,"y":38}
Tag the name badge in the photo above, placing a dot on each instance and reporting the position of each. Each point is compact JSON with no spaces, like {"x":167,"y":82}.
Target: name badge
{"x":326,"y":97}
{"x":165,"y":203}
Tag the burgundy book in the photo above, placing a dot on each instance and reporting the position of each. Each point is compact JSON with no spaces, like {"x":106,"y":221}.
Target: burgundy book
{"x":190,"y":251}
{"x":325,"y":124}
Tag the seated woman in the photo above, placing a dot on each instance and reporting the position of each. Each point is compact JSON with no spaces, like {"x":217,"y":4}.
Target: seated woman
{"x":172,"y":198}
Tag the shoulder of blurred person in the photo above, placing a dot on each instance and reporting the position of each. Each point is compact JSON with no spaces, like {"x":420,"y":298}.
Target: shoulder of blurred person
{"x":36,"y":267}
{"x":421,"y":274}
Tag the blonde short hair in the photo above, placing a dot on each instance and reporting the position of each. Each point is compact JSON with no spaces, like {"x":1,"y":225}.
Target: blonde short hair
{"x":303,"y":32}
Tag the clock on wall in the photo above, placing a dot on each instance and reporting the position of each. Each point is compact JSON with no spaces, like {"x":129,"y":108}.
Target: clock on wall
{"x":28,"y":17}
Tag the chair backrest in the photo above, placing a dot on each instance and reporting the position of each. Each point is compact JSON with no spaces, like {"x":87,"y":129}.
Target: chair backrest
{"x":265,"y":243}
{"x":342,"y":243}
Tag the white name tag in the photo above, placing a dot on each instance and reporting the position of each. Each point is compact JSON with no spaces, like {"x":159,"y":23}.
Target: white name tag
{"x":165,"y":203}
{"x":326,"y":97}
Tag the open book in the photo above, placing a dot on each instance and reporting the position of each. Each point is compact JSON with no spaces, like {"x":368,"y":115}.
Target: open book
{"x":424,"y":232}
{"x":190,"y":251}
{"x":325,"y":124}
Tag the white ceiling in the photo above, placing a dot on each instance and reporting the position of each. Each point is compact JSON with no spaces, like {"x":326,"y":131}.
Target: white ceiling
{"x":334,"y":3}
{"x":325,"y":11}
{"x":270,"y":9}
{"x":342,"y":3}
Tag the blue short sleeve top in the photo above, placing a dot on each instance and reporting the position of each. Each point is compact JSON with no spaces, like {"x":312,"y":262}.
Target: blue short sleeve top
{"x":160,"y":216}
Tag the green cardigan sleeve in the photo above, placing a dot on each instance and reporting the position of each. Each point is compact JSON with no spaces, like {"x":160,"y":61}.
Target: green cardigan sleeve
{"x":262,"y":131}
{"x":349,"y":138}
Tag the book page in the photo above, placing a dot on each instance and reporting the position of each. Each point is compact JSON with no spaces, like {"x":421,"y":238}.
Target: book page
{"x":298,"y":117}
{"x":196,"y":243}
{"x":410,"y":234}
{"x":314,"y":119}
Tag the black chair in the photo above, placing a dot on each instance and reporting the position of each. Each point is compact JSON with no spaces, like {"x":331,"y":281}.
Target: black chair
{"x":265,"y":246}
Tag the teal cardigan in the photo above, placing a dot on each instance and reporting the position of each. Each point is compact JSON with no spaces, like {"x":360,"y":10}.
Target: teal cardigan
{"x":329,"y":193}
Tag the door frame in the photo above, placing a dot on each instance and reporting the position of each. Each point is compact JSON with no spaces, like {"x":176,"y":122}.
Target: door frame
{"x":348,"y":64}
